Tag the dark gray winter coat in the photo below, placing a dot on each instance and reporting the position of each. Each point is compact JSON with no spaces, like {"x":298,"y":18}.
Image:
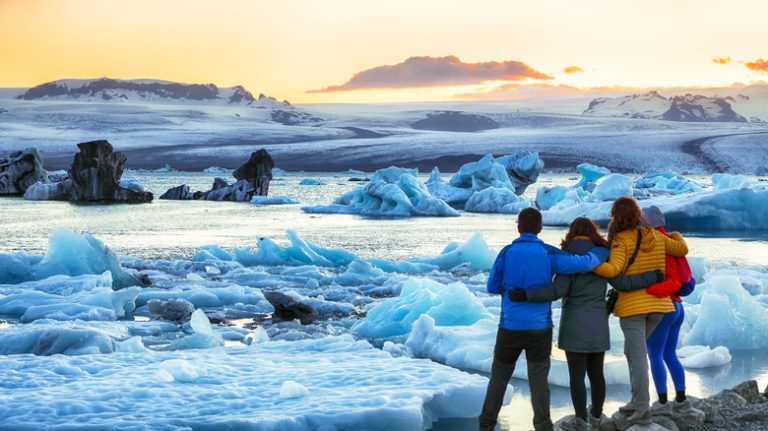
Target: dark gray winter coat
{"x":584,"y":318}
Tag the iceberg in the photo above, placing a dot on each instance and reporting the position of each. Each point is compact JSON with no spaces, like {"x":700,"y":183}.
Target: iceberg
{"x":217,"y":170}
{"x":448,"y":304}
{"x":710,"y":210}
{"x":548,"y":197}
{"x":703,"y":356}
{"x":514,"y":172}
{"x":300,"y":252}
{"x":202,"y":337}
{"x":131,"y":183}
{"x":496,"y":200}
{"x":590,"y":174}
{"x":237,"y":388}
{"x":312,"y":182}
{"x":70,"y":254}
{"x":728,"y":315}
{"x":273,"y":200}
{"x":667,"y":183}
{"x":66,"y":338}
{"x":391,"y":192}
{"x":611,"y":187}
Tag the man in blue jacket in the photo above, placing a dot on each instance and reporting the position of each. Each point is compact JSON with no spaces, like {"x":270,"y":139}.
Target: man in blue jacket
{"x":526,"y":263}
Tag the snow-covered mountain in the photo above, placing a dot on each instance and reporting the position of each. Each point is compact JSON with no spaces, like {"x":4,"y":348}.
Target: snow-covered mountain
{"x":643,"y":105}
{"x":148,"y":90}
{"x":652,"y":105}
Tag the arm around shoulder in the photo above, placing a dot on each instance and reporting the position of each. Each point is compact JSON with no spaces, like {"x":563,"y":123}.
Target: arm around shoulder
{"x":675,"y":245}
{"x":557,"y":289}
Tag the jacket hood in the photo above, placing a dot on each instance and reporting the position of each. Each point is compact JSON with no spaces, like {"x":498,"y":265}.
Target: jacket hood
{"x":649,"y":239}
{"x":580,"y":246}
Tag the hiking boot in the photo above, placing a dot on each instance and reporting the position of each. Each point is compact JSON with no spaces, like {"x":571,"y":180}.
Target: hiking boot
{"x":681,"y":406}
{"x":574,"y":423}
{"x":640,"y":418}
{"x":627,"y":409}
{"x":661,"y":408}
{"x":597,"y":423}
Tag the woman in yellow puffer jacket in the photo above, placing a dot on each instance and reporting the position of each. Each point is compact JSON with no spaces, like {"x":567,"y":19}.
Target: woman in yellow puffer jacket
{"x":639,"y":313}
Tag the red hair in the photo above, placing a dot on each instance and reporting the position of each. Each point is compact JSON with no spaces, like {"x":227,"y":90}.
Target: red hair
{"x":625,"y":215}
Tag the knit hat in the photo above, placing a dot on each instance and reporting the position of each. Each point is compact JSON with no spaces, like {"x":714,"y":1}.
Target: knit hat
{"x":654,"y":216}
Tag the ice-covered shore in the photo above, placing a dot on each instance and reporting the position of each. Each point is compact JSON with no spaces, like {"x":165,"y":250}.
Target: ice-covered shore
{"x":391,"y":342}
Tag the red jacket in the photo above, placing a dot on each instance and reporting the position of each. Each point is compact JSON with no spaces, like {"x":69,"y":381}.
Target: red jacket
{"x":676,"y":271}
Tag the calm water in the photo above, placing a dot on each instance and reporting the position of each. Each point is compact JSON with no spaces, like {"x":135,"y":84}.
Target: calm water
{"x":178,"y":228}
{"x":166,"y":229}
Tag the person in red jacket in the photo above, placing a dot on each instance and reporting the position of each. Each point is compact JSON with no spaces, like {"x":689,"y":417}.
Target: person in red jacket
{"x":662,"y":343}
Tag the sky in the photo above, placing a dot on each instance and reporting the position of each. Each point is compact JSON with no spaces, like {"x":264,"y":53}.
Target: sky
{"x":368,"y":51}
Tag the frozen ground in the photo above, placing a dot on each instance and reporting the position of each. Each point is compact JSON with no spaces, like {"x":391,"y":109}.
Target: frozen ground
{"x":194,"y":137}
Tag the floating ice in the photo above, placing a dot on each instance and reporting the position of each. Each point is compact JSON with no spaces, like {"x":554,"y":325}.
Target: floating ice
{"x":68,"y":253}
{"x":514,"y":172}
{"x":703,"y":356}
{"x":101,"y":303}
{"x":391,"y":192}
{"x":547,"y":197}
{"x":728,"y":181}
{"x":240,"y":385}
{"x":726,"y":209}
{"x":273,"y":200}
{"x":311,"y":182}
{"x":131,"y":183}
{"x":589,"y":174}
{"x":217,"y":170}
{"x":202,"y":337}
{"x":447,"y":304}
{"x":728,"y":316}
{"x":55,"y":338}
{"x":496,"y":200}
{"x":668,"y":183}
{"x":300,"y":252}
{"x":611,"y":187}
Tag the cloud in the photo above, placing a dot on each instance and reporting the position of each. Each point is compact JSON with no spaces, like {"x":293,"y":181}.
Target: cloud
{"x":573,"y":69}
{"x":758,"y":65}
{"x":434,"y":72}
{"x":722,"y":60}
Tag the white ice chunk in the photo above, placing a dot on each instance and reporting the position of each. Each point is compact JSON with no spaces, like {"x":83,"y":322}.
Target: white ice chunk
{"x":611,"y":187}
{"x":273,"y":200}
{"x":703,"y":356}
{"x":292,"y":390}
{"x":203,"y":336}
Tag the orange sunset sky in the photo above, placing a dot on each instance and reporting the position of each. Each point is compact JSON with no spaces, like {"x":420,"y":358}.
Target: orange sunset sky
{"x":310,"y":50}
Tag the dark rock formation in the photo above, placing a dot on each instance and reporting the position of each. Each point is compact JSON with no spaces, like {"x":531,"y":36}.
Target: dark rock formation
{"x":727,"y":410}
{"x":287,"y":308}
{"x":95,"y":175}
{"x":701,"y":109}
{"x":292,"y":118}
{"x":20,"y":170}
{"x":175,"y":310}
{"x":253,"y":179}
{"x":455,"y":121}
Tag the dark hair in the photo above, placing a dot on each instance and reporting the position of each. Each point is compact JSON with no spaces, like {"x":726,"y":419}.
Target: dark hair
{"x":584,"y":226}
{"x":529,"y":221}
{"x":625,"y":215}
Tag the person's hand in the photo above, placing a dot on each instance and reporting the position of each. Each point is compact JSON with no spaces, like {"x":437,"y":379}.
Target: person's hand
{"x":518,"y":295}
{"x":659,"y":276}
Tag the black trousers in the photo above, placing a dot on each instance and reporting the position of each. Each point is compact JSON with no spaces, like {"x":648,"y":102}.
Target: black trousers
{"x":580,"y":365}
{"x":509,"y":345}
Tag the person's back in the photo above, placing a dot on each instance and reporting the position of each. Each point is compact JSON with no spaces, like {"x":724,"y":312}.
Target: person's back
{"x":654,"y":246}
{"x":527,"y":263}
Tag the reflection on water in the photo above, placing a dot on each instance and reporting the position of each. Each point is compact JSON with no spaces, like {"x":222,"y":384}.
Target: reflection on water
{"x":517,"y":415}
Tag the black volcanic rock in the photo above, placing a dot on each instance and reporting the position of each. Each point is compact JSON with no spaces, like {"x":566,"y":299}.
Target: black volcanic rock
{"x":287,"y":308}
{"x":95,"y":174}
{"x":258,"y":169}
{"x":169,"y":90}
{"x":455,"y":121}
{"x":253,"y":179}
{"x":696,"y":108}
{"x":241,"y":95}
{"x":20,"y":170}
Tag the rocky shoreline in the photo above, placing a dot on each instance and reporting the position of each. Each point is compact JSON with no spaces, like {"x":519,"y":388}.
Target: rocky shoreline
{"x":741,"y":408}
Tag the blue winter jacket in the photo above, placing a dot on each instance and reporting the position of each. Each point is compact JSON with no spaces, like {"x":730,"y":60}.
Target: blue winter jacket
{"x":527,"y":263}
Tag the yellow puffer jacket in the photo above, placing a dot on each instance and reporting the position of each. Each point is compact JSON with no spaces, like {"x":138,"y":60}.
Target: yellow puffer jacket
{"x":653,"y":247}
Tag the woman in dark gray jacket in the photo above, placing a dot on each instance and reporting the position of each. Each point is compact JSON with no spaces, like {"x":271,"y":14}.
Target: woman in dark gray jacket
{"x":583,"y":331}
